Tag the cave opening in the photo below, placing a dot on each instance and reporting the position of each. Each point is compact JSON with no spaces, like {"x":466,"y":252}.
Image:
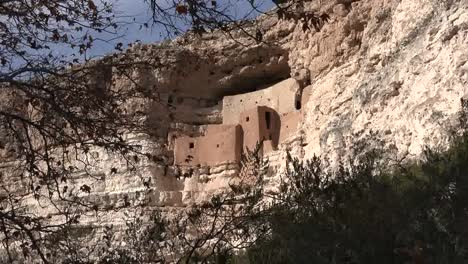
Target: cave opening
{"x":252,"y":85}
{"x":259,"y":77}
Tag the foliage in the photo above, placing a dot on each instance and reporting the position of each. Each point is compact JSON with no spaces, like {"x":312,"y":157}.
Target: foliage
{"x":213,"y":231}
{"x":228,"y":17}
{"x":360,"y":212}
{"x":53,"y":114}
{"x":56,"y":113}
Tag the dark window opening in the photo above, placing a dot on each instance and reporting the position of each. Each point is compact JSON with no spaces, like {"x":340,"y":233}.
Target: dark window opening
{"x":191,"y":145}
{"x":298,"y":99}
{"x":247,"y":119}
{"x":268,"y":119}
{"x":271,"y":137}
{"x":217,"y":145}
{"x":170,"y":99}
{"x":298,"y":105}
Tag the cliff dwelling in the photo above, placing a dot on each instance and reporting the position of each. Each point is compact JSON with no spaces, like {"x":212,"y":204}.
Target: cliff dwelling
{"x":267,"y":116}
{"x":138,"y":156}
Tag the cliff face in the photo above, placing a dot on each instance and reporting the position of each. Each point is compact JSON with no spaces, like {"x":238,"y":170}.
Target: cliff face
{"x":393,"y":71}
{"x":397,"y":68}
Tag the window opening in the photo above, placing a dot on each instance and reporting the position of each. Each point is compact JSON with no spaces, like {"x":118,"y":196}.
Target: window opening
{"x":298,"y":101}
{"x":191,"y":145}
{"x":298,"y":105}
{"x":268,"y":119}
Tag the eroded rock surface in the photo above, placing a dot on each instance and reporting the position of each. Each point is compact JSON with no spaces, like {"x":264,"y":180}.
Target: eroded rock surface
{"x":395,"y":70}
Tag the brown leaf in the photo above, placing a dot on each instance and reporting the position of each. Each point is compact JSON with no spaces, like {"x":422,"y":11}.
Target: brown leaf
{"x":181,"y":9}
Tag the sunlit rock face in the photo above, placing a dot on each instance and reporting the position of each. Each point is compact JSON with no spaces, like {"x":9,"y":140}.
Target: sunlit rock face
{"x":397,"y":68}
{"x":388,"y":72}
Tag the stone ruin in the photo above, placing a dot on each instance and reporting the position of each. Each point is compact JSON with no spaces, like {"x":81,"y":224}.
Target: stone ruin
{"x":394,"y":69}
{"x":266,"y":116}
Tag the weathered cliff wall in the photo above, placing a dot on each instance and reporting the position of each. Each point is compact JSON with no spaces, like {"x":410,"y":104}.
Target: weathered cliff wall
{"x":395,"y":70}
{"x":392,"y":69}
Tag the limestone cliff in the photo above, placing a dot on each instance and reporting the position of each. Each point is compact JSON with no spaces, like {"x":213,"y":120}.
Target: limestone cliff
{"x":393,"y":67}
{"x":395,"y":70}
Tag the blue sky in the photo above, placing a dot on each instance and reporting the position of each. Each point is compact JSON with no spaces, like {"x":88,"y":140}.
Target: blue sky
{"x":127,"y":10}
{"x":131,"y":14}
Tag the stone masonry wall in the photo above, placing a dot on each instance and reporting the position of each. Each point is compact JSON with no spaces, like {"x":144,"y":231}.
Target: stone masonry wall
{"x":281,"y":97}
{"x":221,"y":143}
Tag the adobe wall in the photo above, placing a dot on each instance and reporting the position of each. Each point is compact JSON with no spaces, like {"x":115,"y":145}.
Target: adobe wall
{"x":268,"y":147}
{"x":249,"y":121}
{"x":260,"y":123}
{"x":270,"y":115}
{"x":280,"y":97}
{"x":221,"y":143}
{"x":270,"y":124}
{"x":185,"y":151}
